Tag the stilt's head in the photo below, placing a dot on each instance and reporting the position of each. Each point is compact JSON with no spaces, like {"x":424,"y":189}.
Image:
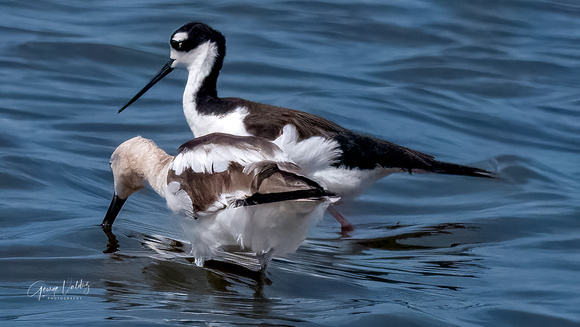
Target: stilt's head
{"x":192,"y":45}
{"x":131,"y":163}
{"x":194,"y":41}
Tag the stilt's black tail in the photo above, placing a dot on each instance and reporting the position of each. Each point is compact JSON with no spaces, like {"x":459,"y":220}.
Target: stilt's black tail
{"x":448,"y":168}
{"x":365,"y":152}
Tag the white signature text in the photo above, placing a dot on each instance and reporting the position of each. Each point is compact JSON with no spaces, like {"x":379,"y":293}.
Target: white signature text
{"x":68,"y":290}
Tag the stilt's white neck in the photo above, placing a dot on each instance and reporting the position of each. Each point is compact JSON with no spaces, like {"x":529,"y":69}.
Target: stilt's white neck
{"x":189,"y":94}
{"x":200,"y":62}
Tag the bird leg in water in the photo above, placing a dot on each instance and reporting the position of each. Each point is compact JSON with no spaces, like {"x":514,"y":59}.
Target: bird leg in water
{"x":113,"y":244}
{"x":345,"y":226}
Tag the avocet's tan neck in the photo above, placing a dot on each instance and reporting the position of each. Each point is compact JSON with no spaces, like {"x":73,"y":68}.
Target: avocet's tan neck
{"x":136,"y":161}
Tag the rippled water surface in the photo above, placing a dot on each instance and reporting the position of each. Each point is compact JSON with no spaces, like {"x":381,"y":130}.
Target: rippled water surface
{"x":486,"y":83}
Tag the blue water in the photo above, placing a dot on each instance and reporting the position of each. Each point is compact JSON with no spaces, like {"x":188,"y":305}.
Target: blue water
{"x":488,"y":83}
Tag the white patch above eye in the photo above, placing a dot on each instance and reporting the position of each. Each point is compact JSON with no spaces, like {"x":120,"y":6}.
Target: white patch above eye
{"x":179,"y":37}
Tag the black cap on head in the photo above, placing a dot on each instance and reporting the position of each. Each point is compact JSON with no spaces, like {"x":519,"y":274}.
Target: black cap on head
{"x":191,"y":35}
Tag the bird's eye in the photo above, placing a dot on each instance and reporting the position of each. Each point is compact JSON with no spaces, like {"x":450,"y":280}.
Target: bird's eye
{"x":176,"y":44}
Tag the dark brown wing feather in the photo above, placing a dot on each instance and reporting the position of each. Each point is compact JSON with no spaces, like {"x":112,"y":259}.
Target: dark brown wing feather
{"x":204,"y":189}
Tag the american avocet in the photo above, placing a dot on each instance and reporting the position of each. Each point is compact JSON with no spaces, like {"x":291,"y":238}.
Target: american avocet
{"x":341,"y":160}
{"x":232,"y":190}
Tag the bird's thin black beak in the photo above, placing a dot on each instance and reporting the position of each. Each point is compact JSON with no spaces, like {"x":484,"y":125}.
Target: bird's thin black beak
{"x":113,"y":211}
{"x":162,"y":73}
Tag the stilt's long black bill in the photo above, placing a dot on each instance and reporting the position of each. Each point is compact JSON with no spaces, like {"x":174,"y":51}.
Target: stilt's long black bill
{"x":162,"y":73}
{"x":113,"y":211}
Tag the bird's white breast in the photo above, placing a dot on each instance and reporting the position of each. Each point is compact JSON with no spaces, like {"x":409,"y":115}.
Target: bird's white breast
{"x":231,"y":123}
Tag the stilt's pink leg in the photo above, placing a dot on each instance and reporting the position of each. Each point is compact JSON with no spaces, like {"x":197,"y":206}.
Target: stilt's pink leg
{"x":345,"y":226}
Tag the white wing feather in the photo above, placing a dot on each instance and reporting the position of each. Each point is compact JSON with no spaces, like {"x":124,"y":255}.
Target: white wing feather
{"x":214,"y":158}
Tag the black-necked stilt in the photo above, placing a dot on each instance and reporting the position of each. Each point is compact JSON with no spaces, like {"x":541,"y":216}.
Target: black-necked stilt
{"x":341,"y":160}
{"x":233,"y":190}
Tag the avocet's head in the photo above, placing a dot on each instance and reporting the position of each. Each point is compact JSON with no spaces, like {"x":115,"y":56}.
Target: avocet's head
{"x":194,"y":46}
{"x":128,"y":164}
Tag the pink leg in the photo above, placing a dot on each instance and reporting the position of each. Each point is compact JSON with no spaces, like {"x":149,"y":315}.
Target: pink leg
{"x":345,"y":226}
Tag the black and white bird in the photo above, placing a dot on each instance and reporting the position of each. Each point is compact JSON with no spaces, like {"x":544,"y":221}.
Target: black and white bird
{"x":238,"y":191}
{"x":342,"y":161}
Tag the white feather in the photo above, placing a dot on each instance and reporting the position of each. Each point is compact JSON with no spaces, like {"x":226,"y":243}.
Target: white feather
{"x":313,"y":154}
{"x":178,"y":200}
{"x":214,"y":158}
{"x":274,"y":228}
{"x":349,"y":183}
